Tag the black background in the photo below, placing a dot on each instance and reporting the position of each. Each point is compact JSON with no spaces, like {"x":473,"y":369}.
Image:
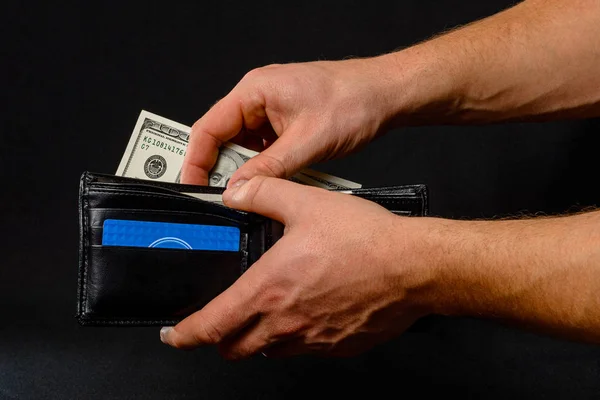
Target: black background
{"x":76,"y":80}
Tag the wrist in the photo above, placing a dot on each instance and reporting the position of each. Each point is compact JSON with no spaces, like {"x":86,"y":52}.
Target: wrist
{"x":495,"y":268}
{"x":453,"y":247}
{"x":454,"y":258}
{"x":420,"y":86}
{"x":420,"y":264}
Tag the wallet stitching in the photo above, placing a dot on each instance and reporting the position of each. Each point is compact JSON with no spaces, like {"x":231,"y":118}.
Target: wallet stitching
{"x":100,"y":321}
{"x":85,"y":235}
{"x":400,"y":202}
{"x":81,"y":246}
{"x":244,"y":250}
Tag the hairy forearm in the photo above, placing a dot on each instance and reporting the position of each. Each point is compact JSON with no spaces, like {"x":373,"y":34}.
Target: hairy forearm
{"x":539,"y":60}
{"x":540,"y":273}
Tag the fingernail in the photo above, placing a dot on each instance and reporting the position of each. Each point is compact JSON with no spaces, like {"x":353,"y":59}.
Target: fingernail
{"x":237,"y":184}
{"x":165,"y":331}
{"x":229,"y":194}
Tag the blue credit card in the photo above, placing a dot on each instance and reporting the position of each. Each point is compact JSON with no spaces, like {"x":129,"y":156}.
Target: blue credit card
{"x":166,"y":235}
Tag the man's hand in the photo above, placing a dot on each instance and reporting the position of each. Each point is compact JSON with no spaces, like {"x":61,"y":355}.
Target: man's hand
{"x":346,"y":275}
{"x":318,"y":110}
{"x":535,"y":61}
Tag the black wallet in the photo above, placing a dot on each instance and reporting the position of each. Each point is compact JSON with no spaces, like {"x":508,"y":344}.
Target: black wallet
{"x":141,"y":286}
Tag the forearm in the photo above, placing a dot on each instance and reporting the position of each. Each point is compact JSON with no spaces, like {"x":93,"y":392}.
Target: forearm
{"x":541,"y":273}
{"x":539,"y":60}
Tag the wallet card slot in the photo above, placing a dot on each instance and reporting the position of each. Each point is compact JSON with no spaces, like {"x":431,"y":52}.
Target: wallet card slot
{"x":144,"y":191}
{"x":103,"y":180}
{"x":153,"y":286}
{"x":121,"y":198}
{"x":97,"y":217}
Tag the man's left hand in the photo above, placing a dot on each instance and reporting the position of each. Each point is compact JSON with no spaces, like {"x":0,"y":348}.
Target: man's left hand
{"x":346,"y":275}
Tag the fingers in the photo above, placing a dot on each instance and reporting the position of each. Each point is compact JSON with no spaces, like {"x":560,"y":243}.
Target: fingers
{"x":278,"y":199}
{"x":248,"y":343}
{"x":222,"y":122}
{"x":225,"y":315}
{"x":261,"y":340}
{"x":236,"y":309}
{"x":243,"y":106}
{"x":263,"y":330}
{"x":269,"y":332}
{"x":280,"y":160}
{"x":287,"y":152}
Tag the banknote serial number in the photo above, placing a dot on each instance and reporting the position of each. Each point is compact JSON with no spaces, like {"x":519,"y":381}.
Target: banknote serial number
{"x":148,"y":142}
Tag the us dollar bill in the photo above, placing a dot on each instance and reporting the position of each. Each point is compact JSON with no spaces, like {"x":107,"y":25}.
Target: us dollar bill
{"x":157,"y":147}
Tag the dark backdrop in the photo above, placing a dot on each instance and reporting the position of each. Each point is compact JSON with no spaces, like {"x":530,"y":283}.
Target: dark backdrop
{"x":76,"y":79}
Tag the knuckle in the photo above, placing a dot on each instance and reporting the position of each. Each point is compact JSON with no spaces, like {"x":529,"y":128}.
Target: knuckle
{"x":207,"y":332}
{"x":238,"y":351}
{"x":195,"y":127}
{"x":254,"y":74}
{"x":273,"y":298}
{"x":272,"y":166}
{"x":253,"y":188}
{"x":290,"y":329}
{"x":272,"y":66}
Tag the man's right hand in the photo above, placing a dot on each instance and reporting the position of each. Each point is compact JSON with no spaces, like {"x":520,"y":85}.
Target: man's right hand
{"x":294,"y":114}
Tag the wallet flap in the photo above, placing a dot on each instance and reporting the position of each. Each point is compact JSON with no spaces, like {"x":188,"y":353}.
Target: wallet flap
{"x":407,"y":200}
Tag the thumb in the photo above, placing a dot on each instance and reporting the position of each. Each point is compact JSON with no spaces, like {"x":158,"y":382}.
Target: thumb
{"x":286,"y":156}
{"x":275,"y":198}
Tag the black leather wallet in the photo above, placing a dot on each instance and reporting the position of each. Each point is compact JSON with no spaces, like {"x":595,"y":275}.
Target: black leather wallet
{"x":141,"y":286}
